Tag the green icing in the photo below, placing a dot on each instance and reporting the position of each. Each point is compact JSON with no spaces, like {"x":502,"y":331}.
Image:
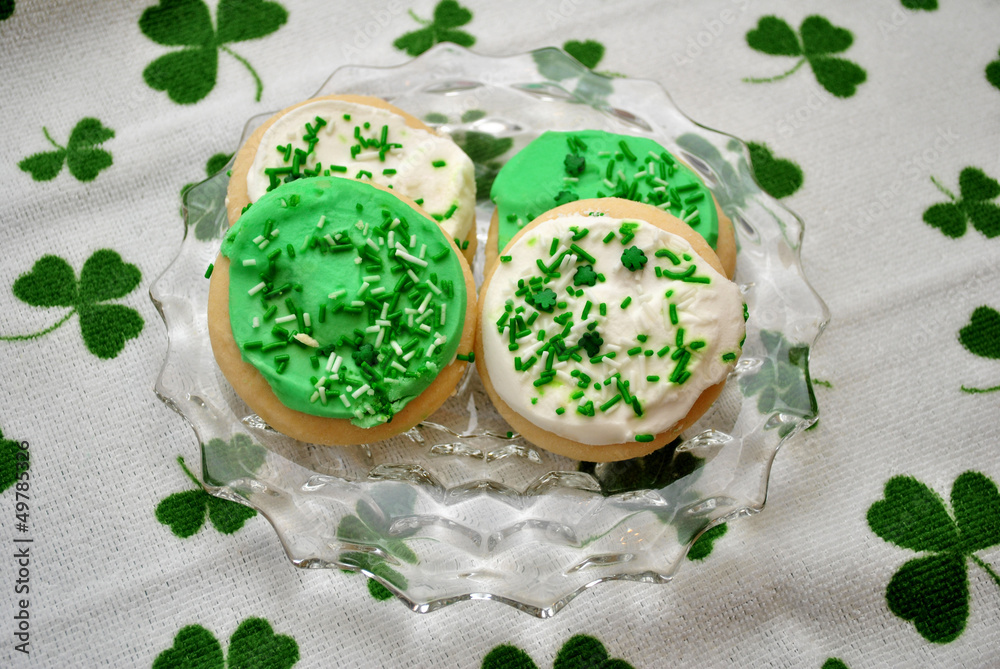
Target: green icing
{"x":549,"y":172}
{"x":300,"y":269}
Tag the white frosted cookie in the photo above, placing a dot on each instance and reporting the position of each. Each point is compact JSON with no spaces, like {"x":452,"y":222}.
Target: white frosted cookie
{"x":606,"y":328}
{"x":363,"y":138}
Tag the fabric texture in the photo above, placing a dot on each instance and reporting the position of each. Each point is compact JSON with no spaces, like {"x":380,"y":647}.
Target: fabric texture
{"x":874,"y":122}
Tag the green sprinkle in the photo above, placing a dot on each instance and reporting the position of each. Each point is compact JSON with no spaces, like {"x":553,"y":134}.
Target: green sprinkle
{"x":467,"y":357}
{"x":273,"y":345}
{"x":663,"y":351}
{"x":626,"y":301}
{"x":652,"y":379}
{"x":667,"y":253}
{"x":388,"y":172}
{"x":581,"y":253}
{"x":608,"y":237}
{"x":439,"y":163}
{"x":534,"y":400}
{"x":586,"y":409}
{"x":635,"y":350}
{"x":560,"y":411}
{"x":611,"y":402}
{"x":505,"y":258}
{"x":603,"y":309}
{"x":586,"y":310}
{"x":576,"y":395}
{"x":729,"y":357}
{"x":680,"y":336}
{"x":554,"y":246}
{"x":648,"y":353}
{"x":695,"y":345}
{"x":627,"y":151}
{"x":208,"y":272}
{"x":642,"y":338}
{"x":337,"y":168}
{"x":250,"y":345}
{"x":673,"y":314}
{"x":644,"y":437}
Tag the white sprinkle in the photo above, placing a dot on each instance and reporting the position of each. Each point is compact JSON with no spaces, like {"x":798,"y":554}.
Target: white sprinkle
{"x":430,"y":284}
{"x":412,"y":275}
{"x":283,"y":203}
{"x":366,"y":155}
{"x":285,"y":319}
{"x":423,"y":316}
{"x":380,"y":338}
{"x":441,"y":339}
{"x":406,"y":358}
{"x":660,"y":189}
{"x":357,"y":261}
{"x":395,"y":222}
{"x":330,"y":360}
{"x":372,"y":278}
{"x":315,"y":396}
{"x":372,"y":329}
{"x":385,"y":310}
{"x":430,"y":349}
{"x":663,"y":205}
{"x":396,"y":347}
{"x":608,"y":184}
{"x":256,"y":289}
{"x":444,"y":307}
{"x":425,"y":327}
{"x":321,"y":382}
{"x":653,"y":153}
{"x":391,"y":241}
{"x":650,"y":170}
{"x":398,"y":366}
{"x":640,"y":173}
{"x":337,"y":293}
{"x":406,"y":256}
{"x":357,"y":393}
{"x":329,"y":239}
{"x":571,"y":179}
{"x":371,"y":243}
{"x":364,"y":230}
{"x":382,"y":323}
{"x":413,"y":241}
{"x":660,"y":181}
{"x":336,"y":364}
{"x":307,"y":340}
{"x":603,"y":154}
{"x":306,"y":319}
{"x":347,"y":402}
{"x":364,"y":286}
{"x":258,"y":239}
{"x":409,"y":310}
{"x":322,"y":395}
{"x":256,"y":322}
{"x":409,"y":321}
{"x":423,"y":305}
{"x":621,"y":175}
{"x":274,"y":233}
{"x":423,"y":251}
{"x":691,"y":215}
{"x":360,"y":225}
{"x":379,"y":290}
{"x":263,"y":244}
{"x":322,"y":220}
{"x":249,"y":262}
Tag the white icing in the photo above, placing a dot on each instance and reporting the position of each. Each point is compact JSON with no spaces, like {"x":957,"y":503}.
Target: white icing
{"x":711,"y":312}
{"x":416,"y":177}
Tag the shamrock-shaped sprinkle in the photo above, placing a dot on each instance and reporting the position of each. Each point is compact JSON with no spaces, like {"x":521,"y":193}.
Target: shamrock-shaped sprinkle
{"x":782,"y":383}
{"x":543,"y":300}
{"x":105,"y":327}
{"x":80,"y":154}
{"x":933,"y":590}
{"x":633,"y":258}
{"x":578,"y":652}
{"x":13,"y":461}
{"x":574,"y":164}
{"x":816,"y":40}
{"x":982,"y":337}
{"x":188,"y":75}
{"x":591,"y":343}
{"x":366,"y":354}
{"x":585,"y":276}
{"x":448,"y":16}
{"x":253,"y":644}
{"x":977,"y":190}
{"x":184,"y":512}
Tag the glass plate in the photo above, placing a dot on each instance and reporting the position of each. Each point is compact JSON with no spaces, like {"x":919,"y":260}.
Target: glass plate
{"x":459,"y":507}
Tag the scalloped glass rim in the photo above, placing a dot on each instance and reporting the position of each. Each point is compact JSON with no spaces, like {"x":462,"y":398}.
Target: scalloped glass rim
{"x":458,"y":508}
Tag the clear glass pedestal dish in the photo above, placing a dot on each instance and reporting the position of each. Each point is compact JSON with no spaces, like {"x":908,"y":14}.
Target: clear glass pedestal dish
{"x":459,"y":507}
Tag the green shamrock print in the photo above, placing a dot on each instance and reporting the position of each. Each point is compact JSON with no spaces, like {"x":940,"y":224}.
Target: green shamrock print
{"x":184,"y":512}
{"x":369,"y":528}
{"x":207,"y":227}
{"x":982,"y":337}
{"x":932,"y":590}
{"x":834,"y":663}
{"x":448,"y":16}
{"x":975,"y":205}
{"x":484,"y":150}
{"x":777,"y":176}
{"x":6,"y":9}
{"x":13,"y":461}
{"x":589,"y":53}
{"x":253,"y":645}
{"x":702,"y":548}
{"x":189,"y":74}
{"x":579,"y":652}
{"x":81,"y":154}
{"x":105,"y":327}
{"x":993,"y":73}
{"x":782,"y":383}
{"x":227,"y":461}
{"x":926,"y":5}
{"x":816,"y":40}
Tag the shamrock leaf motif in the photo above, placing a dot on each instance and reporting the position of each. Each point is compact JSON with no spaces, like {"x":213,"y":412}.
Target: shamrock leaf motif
{"x":227,"y":461}
{"x":81,"y":155}
{"x":207,"y":227}
{"x":448,"y":16}
{"x":816,"y":40}
{"x":189,"y":74}
{"x":544,"y":300}
{"x":483,"y":149}
{"x":6,"y":9}
{"x":982,"y":337}
{"x":926,"y":5}
{"x":993,"y":73}
{"x":579,"y":652}
{"x":777,"y":176}
{"x":932,"y":590}
{"x":782,"y":382}
{"x":13,"y":461}
{"x":370,"y":527}
{"x":585,"y":276}
{"x":589,"y":53}
{"x":184,"y":512}
{"x":977,"y":190}
{"x":834,"y":663}
{"x":633,"y":258}
{"x":105,"y":327}
{"x":702,"y":548}
{"x":253,"y":645}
